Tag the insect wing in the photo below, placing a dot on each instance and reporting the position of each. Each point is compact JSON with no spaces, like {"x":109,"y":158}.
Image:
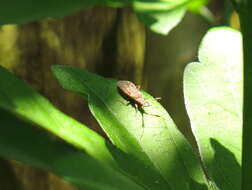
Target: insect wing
{"x":130,"y":90}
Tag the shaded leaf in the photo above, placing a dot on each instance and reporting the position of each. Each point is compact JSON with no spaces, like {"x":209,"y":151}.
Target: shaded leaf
{"x":25,"y":143}
{"x":19,"y":99}
{"x":17,"y":12}
{"x":160,"y":16}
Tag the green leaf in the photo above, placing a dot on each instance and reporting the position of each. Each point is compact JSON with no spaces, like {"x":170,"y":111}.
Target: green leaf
{"x":16,"y":12}
{"x":213,"y":97}
{"x":161,"y":16}
{"x":24,"y":142}
{"x":195,"y":5}
{"x":148,"y":134}
{"x":17,"y":98}
{"x":199,"y":7}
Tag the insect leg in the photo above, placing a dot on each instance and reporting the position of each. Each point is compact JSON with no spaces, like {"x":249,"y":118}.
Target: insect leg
{"x":152,"y":114}
{"x":147,"y":112}
{"x":136,"y":107}
{"x":125,"y":102}
{"x":142,"y":126}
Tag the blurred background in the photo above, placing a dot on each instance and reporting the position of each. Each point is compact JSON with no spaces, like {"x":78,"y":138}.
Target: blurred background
{"x":110,"y":42}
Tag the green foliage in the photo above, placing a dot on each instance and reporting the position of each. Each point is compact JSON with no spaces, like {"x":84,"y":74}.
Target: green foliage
{"x":152,"y":139}
{"x":16,"y":12}
{"x":244,"y":8}
{"x":23,"y":142}
{"x":149,"y":151}
{"x":162,"y":161}
{"x":197,"y":4}
{"x":160,"y":15}
{"x":16,"y":97}
{"x":213,"y":97}
{"x":20,"y":142}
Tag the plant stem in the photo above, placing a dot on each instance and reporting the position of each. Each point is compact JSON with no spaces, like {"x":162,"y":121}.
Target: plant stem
{"x":245,"y":11}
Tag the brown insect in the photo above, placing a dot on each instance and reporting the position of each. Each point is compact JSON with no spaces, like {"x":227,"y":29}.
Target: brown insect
{"x":132,"y":92}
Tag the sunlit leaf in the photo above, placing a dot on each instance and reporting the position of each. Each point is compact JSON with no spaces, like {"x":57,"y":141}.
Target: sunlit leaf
{"x":147,"y":134}
{"x":213,"y":97}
